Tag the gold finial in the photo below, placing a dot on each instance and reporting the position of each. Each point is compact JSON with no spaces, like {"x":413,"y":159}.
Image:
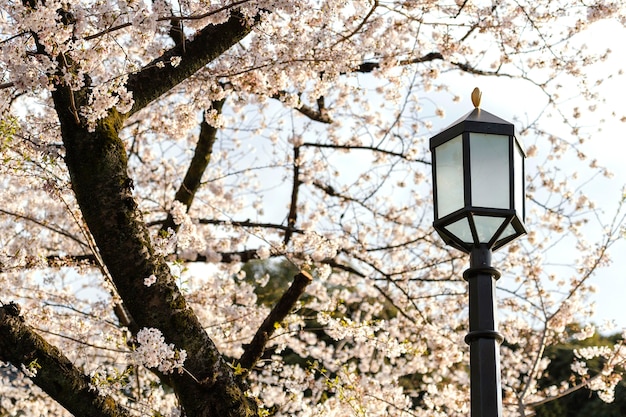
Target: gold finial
{"x":476,"y":94}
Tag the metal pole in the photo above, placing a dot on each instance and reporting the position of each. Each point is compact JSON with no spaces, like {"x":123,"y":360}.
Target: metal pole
{"x":483,"y":337}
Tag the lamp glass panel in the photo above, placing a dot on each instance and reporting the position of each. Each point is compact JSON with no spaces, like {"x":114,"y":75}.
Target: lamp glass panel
{"x":489,"y":165}
{"x":486,"y":227}
{"x":461,"y":229}
{"x":508,"y":231}
{"x":518,"y":161}
{"x":449,"y":176}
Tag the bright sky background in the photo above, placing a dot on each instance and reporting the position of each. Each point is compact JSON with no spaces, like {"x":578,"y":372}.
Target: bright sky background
{"x":515,"y":99}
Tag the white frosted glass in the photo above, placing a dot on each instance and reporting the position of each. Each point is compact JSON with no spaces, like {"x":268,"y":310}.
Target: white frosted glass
{"x":449,"y":165}
{"x":461,"y":229}
{"x":486,"y":227}
{"x":489,"y":165}
{"x":508,"y":231}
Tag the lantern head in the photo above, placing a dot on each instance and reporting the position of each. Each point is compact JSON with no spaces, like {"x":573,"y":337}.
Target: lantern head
{"x":478,"y":177}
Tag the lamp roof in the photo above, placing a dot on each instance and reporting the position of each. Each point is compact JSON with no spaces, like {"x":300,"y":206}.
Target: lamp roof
{"x":481,"y":116}
{"x":478,"y":121}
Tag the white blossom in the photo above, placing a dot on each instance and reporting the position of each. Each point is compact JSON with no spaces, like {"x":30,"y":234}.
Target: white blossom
{"x":175,"y":61}
{"x":148,"y":282}
{"x":153,"y":352}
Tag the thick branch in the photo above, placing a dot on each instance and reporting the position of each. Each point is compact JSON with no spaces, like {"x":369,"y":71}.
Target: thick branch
{"x":151,"y":81}
{"x":228,"y":257}
{"x":283,"y":307}
{"x":56,"y":261}
{"x":56,"y":375}
{"x":371,"y":66}
{"x":225,"y":257}
{"x":248,"y":223}
{"x":197,"y":167}
{"x":367,"y":67}
{"x":320,"y":115}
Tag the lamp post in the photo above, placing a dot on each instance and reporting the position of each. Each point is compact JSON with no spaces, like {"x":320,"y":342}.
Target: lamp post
{"x":478,"y":177}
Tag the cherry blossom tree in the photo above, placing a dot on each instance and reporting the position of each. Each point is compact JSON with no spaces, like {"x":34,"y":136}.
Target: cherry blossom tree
{"x":150,"y":149}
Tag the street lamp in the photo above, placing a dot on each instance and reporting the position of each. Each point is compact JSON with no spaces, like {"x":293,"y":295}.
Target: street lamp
{"x":478,"y":177}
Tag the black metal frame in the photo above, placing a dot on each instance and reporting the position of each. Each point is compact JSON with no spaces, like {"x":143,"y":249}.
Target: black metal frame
{"x":495,"y":243}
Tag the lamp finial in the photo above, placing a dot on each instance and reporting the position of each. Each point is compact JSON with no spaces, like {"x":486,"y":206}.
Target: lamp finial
{"x":476,"y":94}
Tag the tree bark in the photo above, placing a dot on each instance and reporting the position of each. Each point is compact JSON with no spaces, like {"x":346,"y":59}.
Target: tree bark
{"x":97,"y":163}
{"x":55,"y":373}
{"x":200,"y":161}
{"x":283,"y":307}
{"x":151,"y":82}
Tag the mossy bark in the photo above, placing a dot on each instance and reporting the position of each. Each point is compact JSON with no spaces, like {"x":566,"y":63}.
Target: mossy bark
{"x":55,"y":373}
{"x":208,"y":44}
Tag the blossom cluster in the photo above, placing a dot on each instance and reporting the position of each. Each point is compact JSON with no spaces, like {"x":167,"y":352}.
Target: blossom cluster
{"x":153,"y":352}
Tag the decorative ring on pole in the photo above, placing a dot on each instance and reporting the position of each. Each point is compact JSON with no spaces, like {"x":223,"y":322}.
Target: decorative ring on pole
{"x":469,"y":272}
{"x":484,"y":334}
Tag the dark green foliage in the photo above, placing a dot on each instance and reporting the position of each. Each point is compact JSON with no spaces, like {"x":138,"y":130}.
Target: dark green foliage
{"x":584,"y":403}
{"x":581,"y":403}
{"x":281,"y":273}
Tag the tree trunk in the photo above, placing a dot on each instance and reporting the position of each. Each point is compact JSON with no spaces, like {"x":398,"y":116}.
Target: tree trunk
{"x":97,"y":164}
